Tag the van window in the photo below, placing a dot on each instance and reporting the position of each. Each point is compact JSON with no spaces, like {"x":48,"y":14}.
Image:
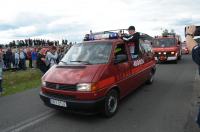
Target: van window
{"x":147,"y":48}
{"x":164,"y":42}
{"x":88,"y":53}
{"x":121,"y":50}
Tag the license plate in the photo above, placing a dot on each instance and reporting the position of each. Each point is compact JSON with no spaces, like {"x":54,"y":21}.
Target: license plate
{"x":58,"y":102}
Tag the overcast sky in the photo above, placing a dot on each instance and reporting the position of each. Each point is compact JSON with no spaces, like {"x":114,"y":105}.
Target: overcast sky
{"x":71,"y":19}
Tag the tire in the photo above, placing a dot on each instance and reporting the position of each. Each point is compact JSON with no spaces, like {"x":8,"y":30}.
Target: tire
{"x":111,"y":103}
{"x":151,"y":79}
{"x":175,"y":61}
{"x":180,"y":57}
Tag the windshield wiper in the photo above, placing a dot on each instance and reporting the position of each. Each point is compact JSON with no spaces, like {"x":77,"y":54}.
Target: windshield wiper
{"x":64,"y":62}
{"x":79,"y":61}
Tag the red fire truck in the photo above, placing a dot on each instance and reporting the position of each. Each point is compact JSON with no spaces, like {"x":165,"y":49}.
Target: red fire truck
{"x":167,"y":48}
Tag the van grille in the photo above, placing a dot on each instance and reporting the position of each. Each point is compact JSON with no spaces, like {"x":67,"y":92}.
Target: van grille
{"x":60,"y":96}
{"x":66,"y":87}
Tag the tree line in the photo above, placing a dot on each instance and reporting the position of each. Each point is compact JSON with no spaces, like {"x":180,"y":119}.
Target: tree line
{"x":33,"y":42}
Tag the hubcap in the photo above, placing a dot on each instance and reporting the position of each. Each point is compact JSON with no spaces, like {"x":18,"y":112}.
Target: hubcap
{"x":112,"y":104}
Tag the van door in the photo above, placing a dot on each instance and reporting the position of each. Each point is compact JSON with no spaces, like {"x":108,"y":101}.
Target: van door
{"x":138,"y":74}
{"x":121,"y":69}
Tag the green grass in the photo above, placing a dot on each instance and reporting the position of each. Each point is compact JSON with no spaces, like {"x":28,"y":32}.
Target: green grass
{"x":18,"y":81}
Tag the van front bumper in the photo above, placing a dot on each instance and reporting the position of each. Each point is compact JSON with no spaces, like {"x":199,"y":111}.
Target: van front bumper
{"x":75,"y":106}
{"x":172,"y":58}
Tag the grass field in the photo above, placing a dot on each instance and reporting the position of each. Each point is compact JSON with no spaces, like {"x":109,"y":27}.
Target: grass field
{"x":18,"y":81}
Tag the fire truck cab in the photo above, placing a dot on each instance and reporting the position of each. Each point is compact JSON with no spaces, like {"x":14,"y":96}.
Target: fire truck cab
{"x":95,"y":74}
{"x":167,"y":48}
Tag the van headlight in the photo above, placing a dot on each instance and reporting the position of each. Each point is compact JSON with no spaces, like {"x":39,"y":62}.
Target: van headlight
{"x":44,"y":84}
{"x":85,"y":87}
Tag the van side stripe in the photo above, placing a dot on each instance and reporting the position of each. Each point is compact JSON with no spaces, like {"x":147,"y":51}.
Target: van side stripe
{"x":134,"y":71}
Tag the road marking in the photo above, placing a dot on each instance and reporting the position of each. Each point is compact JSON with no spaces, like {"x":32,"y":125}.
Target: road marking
{"x":30,"y":122}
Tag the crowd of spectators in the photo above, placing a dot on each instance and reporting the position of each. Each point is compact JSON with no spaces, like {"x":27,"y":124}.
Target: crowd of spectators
{"x":23,"y":54}
{"x":34,"y":42}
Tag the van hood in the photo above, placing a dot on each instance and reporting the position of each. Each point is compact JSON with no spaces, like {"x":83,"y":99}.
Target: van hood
{"x":72,"y":74}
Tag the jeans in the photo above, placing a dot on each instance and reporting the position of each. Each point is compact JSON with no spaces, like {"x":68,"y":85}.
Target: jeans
{"x":16,"y":63}
{"x":34,"y":64}
{"x":22,"y":64}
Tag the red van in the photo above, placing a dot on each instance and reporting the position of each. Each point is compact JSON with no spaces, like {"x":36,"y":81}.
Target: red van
{"x":95,"y":74}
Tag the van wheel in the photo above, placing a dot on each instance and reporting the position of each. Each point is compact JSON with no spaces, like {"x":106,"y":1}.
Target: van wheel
{"x":111,"y":103}
{"x":151,"y":79}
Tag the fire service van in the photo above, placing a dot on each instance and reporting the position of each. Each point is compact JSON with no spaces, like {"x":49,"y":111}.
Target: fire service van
{"x":96,"y":74}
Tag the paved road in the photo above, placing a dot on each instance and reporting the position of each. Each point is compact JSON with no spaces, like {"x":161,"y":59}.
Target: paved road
{"x":165,"y":106}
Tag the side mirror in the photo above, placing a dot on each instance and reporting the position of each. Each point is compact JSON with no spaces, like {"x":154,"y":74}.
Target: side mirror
{"x":120,"y":58}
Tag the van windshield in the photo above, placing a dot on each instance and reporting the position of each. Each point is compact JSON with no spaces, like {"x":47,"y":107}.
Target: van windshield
{"x":88,"y":53}
{"x":164,"y":42}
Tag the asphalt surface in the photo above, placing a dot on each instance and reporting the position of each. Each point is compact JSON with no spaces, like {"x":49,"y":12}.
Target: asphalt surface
{"x":168,"y":105}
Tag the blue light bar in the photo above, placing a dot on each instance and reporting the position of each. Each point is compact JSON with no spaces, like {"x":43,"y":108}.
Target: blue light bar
{"x":101,"y":36}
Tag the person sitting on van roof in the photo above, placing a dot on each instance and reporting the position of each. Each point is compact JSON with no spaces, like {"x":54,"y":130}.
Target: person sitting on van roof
{"x":133,"y":36}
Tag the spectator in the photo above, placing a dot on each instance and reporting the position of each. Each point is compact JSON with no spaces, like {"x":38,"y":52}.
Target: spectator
{"x":4,"y":59}
{"x":8,"y":58}
{"x":51,"y":57}
{"x":13,"y":59}
{"x":29,"y":57}
{"x":61,"y":53}
{"x":16,"y":59}
{"x":41,"y":62}
{"x":1,"y":72}
{"x":195,"y":48}
{"x":22,"y":60}
{"x":34,"y":58}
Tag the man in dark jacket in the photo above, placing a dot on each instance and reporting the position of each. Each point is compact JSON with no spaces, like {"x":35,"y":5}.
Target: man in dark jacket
{"x":195,"y":48}
{"x":29,"y":57}
{"x":41,"y":62}
{"x":134,"y":37}
{"x":8,"y":58}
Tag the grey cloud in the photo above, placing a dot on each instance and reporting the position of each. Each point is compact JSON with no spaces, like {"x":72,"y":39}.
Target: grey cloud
{"x":185,"y":21}
{"x":27,"y":19}
{"x":5,"y":26}
{"x":57,"y":29}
